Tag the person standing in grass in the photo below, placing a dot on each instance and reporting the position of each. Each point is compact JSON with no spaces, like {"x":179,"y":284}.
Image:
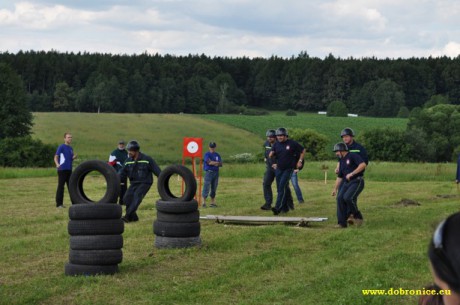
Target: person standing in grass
{"x":289,"y":155}
{"x":139,"y":169}
{"x":444,"y":255}
{"x":348,"y":137}
{"x":117,"y":159}
{"x":269,"y":175}
{"x":212,"y":162}
{"x":348,"y":185}
{"x":457,"y":177}
{"x":63,"y":160}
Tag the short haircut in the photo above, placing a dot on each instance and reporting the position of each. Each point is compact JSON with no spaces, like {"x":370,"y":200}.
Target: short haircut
{"x":67,"y":133}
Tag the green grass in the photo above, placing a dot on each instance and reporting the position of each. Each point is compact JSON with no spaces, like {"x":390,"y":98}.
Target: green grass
{"x":95,"y":136}
{"x":329,"y":126}
{"x":273,"y":264}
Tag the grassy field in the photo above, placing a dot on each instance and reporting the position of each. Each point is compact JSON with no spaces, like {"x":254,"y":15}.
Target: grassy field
{"x":237,"y":264}
{"x":329,"y":126}
{"x":273,"y":264}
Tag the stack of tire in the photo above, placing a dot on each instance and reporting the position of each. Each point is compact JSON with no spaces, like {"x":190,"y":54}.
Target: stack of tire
{"x":178,"y":219}
{"x":95,"y":227}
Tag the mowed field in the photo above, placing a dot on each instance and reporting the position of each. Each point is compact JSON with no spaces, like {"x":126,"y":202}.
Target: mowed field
{"x":237,"y":264}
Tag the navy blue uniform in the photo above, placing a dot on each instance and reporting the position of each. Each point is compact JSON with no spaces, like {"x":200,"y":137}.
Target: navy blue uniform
{"x":269,"y":175}
{"x":140,"y":177}
{"x":287,"y":155}
{"x":357,"y":148}
{"x":349,"y":189}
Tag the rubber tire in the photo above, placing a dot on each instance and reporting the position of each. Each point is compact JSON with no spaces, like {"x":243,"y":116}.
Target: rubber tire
{"x":95,"y":211}
{"x":179,"y":218}
{"x":73,"y":269}
{"x":96,"y":242}
{"x":172,"y":229}
{"x":77,"y":194}
{"x":176,"y":242}
{"x":186,"y":174}
{"x":95,"y":257}
{"x":177,"y":207}
{"x":96,"y":227}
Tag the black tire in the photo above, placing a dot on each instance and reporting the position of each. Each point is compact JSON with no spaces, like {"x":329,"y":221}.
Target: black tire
{"x":96,"y":227}
{"x":95,"y":211}
{"x":177,"y":207}
{"x":176,"y":242}
{"x":73,"y":269}
{"x":172,"y":229}
{"x":186,"y":174}
{"x":76,"y":191}
{"x":178,"y":218}
{"x":95,"y":257}
{"x":96,"y":242}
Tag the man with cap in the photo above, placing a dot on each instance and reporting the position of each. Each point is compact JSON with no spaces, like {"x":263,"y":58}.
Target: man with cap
{"x":212,"y":162}
{"x":347,"y":134}
{"x":348,"y":185}
{"x":117,"y":160}
{"x":138,"y":168}
{"x":289,"y":155}
{"x":269,"y":175}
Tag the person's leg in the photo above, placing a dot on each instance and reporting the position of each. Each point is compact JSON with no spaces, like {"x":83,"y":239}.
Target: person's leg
{"x":350,"y":196}
{"x":139,"y":192}
{"x":67,"y":182}
{"x":295,"y":185}
{"x":123,"y":188}
{"x":289,"y":199}
{"x":341,"y":206}
{"x":214,"y":184}
{"x":60,"y":188}
{"x":206,"y":187}
{"x":282,"y":179}
{"x":269,"y":177}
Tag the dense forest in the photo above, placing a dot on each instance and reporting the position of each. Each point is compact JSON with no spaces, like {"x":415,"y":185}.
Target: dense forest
{"x":87,"y":82}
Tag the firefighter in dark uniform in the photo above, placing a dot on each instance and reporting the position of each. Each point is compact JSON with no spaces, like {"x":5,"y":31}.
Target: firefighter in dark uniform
{"x":289,"y":156}
{"x":138,"y":168}
{"x":347,"y":135}
{"x":269,"y":175}
{"x":117,"y":159}
{"x":348,"y":185}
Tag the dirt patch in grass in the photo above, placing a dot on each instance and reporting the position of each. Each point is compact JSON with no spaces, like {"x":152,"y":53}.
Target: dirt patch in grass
{"x":407,"y":202}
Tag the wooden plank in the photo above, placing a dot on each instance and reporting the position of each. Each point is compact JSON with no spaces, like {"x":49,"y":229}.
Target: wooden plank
{"x":222,"y":218}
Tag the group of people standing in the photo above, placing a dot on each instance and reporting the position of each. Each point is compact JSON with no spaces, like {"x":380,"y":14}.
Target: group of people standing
{"x":284,"y":158}
{"x":130,"y":163}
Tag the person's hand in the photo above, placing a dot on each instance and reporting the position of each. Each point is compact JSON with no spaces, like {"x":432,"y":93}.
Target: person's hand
{"x":296,"y":171}
{"x":274,"y":166}
{"x":74,"y":157}
{"x":334,"y":192}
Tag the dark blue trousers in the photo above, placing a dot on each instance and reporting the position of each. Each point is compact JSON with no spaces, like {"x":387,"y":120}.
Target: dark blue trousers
{"x":133,"y":198}
{"x":284,"y":200}
{"x":269,"y":177}
{"x":347,"y":200}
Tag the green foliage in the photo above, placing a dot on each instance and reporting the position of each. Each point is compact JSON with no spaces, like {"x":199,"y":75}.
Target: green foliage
{"x":441,"y":124}
{"x":313,"y":142}
{"x":436,"y":100}
{"x":337,"y":108}
{"x":243,"y":158}
{"x":15,"y":117}
{"x":415,"y":112}
{"x":199,"y":84}
{"x":247,"y":111}
{"x":385,"y":144}
{"x":26,"y":152}
{"x":403,"y":112}
{"x":291,"y":112}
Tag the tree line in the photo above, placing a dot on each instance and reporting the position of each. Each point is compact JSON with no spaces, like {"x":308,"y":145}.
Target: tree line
{"x":92,"y":82}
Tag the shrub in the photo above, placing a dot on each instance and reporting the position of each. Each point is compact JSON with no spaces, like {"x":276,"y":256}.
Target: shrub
{"x":26,"y":152}
{"x":243,"y":158}
{"x":314,"y":143}
{"x":386,"y":144}
{"x":403,"y":112}
{"x":337,"y":108}
{"x":291,"y":112}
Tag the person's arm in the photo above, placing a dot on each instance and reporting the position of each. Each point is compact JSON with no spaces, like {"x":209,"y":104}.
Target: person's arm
{"x":300,"y":161}
{"x":335,"y":190}
{"x":154,"y":168}
{"x":359,"y":169}
{"x":56,"y":161}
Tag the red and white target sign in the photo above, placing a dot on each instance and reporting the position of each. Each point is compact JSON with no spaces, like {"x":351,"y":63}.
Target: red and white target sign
{"x":193,"y":147}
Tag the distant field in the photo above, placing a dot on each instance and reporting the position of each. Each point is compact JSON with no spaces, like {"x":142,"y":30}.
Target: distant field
{"x":328,"y":126}
{"x":160,"y":135}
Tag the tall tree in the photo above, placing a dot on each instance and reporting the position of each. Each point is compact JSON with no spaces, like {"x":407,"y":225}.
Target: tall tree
{"x":15,"y":118}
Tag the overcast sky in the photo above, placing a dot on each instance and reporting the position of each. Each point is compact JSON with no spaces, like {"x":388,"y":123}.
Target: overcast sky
{"x":234,"y":28}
